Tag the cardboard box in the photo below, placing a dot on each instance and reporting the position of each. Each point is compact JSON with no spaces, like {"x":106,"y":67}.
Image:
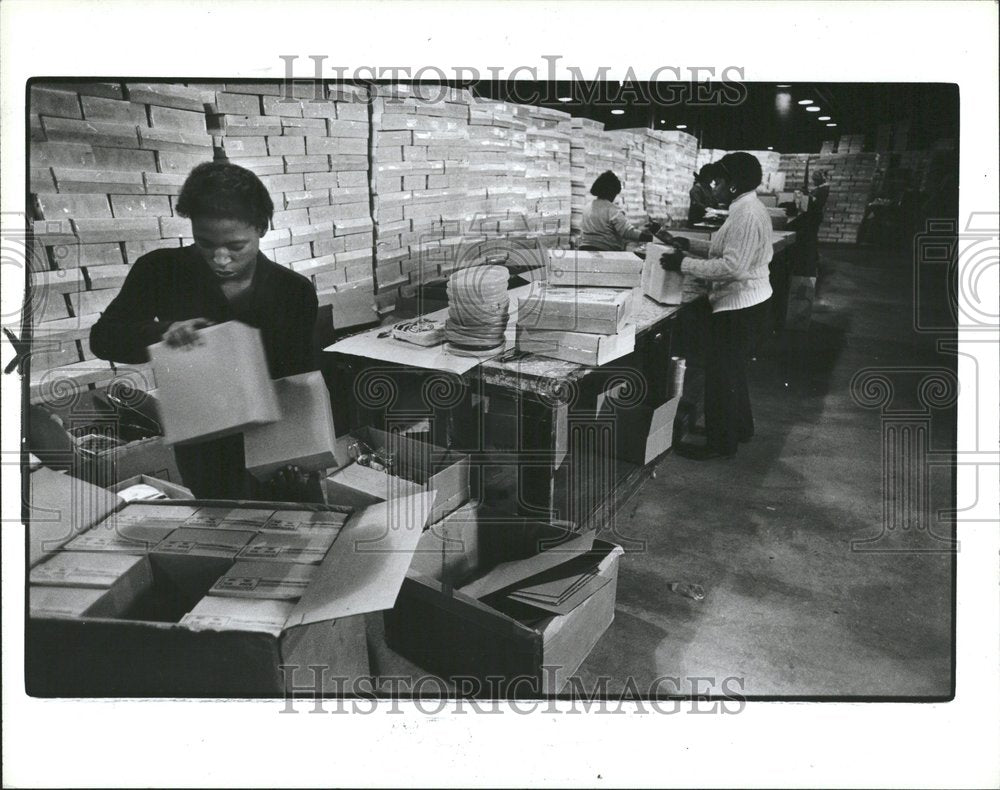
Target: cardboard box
{"x":431,"y":468}
{"x":69,"y":602}
{"x":593,"y":310}
{"x":454,"y":635}
{"x":604,"y":269}
{"x":136,"y":539}
{"x":273,"y":581}
{"x":643,"y":433}
{"x":123,"y":577}
{"x":307,"y":548}
{"x":299,"y":521}
{"x":238,"y":518}
{"x":166,"y":647}
{"x":660,"y":285}
{"x":143,"y":457}
{"x":579,"y":347}
{"x":304,"y":435}
{"x":219,"y":387}
{"x":60,"y":508}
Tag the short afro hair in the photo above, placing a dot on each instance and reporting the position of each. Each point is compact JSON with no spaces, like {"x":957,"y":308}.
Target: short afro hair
{"x":707,"y":174}
{"x":741,"y":170}
{"x":606,"y":186}
{"x":222,"y":190}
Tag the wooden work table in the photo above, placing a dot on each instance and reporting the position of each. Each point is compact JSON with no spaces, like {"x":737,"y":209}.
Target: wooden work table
{"x":541,"y":431}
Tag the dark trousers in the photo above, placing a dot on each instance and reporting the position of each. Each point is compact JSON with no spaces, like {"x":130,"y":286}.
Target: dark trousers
{"x":728,"y":417}
{"x":216,"y":469}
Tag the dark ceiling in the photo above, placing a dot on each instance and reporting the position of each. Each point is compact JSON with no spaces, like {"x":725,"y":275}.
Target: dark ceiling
{"x":753,"y":116}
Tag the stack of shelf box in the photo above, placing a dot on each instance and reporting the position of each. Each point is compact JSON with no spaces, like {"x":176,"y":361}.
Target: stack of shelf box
{"x":548,"y":190}
{"x":585,"y":140}
{"x":311,"y":152}
{"x":497,"y":169}
{"x":107,"y":161}
{"x":851,"y":144}
{"x":631,"y":144}
{"x":421,"y":172}
{"x":679,"y":151}
{"x":770,"y":163}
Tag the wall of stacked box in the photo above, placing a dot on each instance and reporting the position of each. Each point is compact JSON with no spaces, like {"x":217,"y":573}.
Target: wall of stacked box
{"x":374,"y":195}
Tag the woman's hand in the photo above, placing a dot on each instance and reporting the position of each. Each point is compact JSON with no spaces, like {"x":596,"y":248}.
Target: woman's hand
{"x":185,"y":333}
{"x":671,"y":261}
{"x":291,"y":484}
{"x":654,"y":227}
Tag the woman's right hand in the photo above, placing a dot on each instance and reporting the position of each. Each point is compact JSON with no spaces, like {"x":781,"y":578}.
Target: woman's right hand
{"x":185,"y":333}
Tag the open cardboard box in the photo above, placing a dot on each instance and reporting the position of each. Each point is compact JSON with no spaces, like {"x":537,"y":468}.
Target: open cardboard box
{"x":455,"y":635}
{"x":416,"y":465}
{"x":147,"y":651}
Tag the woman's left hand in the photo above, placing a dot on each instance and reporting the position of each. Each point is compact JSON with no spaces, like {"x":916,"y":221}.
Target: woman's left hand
{"x":671,"y":261}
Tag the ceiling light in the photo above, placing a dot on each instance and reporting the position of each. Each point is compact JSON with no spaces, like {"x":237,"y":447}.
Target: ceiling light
{"x":770,"y":148}
{"x":682,"y":126}
{"x":618,"y":112}
{"x":662,"y":121}
{"x":831,"y":124}
{"x":814,"y":108}
{"x":823,"y":118}
{"x":783,"y":85}
{"x":565,"y":98}
{"x":805,"y":101}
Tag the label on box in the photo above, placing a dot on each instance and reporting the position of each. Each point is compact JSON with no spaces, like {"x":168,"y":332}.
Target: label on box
{"x":267,"y":580}
{"x":229,"y":518}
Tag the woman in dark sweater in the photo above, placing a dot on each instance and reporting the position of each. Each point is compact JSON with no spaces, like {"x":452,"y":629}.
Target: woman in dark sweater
{"x":170,"y":294}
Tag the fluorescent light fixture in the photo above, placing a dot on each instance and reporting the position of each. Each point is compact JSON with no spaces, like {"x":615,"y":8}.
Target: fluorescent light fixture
{"x":814,"y":108}
{"x":565,"y":98}
{"x":682,"y":126}
{"x":783,"y":85}
{"x":831,"y":124}
{"x":770,"y":148}
{"x":618,"y":112}
{"x":805,"y":101}
{"x":823,"y":118}
{"x":662,"y":121}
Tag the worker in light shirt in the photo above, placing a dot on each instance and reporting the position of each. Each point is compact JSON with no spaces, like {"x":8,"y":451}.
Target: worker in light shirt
{"x":605,"y":228}
{"x":737,"y":269}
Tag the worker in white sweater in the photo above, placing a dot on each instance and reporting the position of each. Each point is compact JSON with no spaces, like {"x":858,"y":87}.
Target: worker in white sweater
{"x":737,"y":269}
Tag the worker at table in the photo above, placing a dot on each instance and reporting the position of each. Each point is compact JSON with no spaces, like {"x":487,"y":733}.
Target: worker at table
{"x":171,"y":294}
{"x":702,"y":195}
{"x":806,"y":225}
{"x":737,"y":269}
{"x":605,"y":228}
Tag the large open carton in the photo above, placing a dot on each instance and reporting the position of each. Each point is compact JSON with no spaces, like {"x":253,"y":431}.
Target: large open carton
{"x":146,"y":651}
{"x":457,"y":636}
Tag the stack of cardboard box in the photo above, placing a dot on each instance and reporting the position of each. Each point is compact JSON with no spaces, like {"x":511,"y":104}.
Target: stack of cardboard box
{"x":632,"y":145}
{"x":421,"y":177}
{"x":106,"y":163}
{"x":548,"y":189}
{"x":584,"y":165}
{"x":851,"y":144}
{"x":309,"y":145}
{"x":670,"y":167}
{"x":497,"y":169}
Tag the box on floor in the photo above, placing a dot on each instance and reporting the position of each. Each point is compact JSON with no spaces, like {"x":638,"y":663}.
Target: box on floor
{"x":456,"y":635}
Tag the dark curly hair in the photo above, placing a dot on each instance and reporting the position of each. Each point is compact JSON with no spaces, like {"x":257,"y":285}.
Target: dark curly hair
{"x":606,"y":186}
{"x":741,"y":170}
{"x":222,"y":190}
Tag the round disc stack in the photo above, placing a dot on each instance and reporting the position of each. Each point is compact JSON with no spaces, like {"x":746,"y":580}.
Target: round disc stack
{"x":478,"y":309}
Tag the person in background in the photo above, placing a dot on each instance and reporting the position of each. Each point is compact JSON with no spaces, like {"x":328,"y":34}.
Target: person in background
{"x":702,"y":195}
{"x":171,"y":294}
{"x":737,"y":268}
{"x":605,"y":226}
{"x":806,"y":225}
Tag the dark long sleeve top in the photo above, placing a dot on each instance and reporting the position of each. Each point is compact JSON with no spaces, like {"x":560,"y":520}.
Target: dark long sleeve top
{"x":701,"y":199}
{"x":171,"y":285}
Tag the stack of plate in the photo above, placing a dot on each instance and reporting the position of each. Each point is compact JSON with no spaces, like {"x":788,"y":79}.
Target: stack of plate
{"x":478,"y":309}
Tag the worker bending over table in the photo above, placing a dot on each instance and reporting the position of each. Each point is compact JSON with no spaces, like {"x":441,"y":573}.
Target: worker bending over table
{"x":605,"y":228}
{"x":170,"y":294}
{"x":737,"y":271}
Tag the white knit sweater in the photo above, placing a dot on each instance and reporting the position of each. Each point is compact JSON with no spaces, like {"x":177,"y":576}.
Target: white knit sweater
{"x":739,"y":254}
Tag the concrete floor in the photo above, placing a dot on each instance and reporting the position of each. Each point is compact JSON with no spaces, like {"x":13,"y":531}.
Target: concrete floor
{"x":790,"y":609}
